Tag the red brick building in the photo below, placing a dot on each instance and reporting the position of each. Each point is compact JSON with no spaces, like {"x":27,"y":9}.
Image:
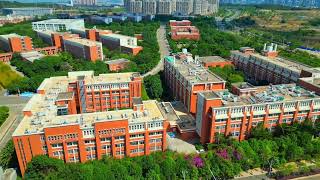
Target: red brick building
{"x":213,"y":61}
{"x":55,"y":38}
{"x":118,"y":64}
{"x":186,"y":78}
{"x":15,"y":43}
{"x":5,"y":57}
{"x":91,"y":34}
{"x":84,"y":48}
{"x":73,"y":118}
{"x":180,"y":23}
{"x":185,"y":32}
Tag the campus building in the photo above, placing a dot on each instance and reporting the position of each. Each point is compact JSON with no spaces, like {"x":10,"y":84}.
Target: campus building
{"x":183,"y":30}
{"x":84,"y":48}
{"x":185,"y":78}
{"x":55,"y":38}
{"x":267,"y":67}
{"x":125,"y":44}
{"x":27,"y":11}
{"x":117,"y":64}
{"x":85,"y":2}
{"x":58,"y":24}
{"x":82,"y":117}
{"x":15,"y":43}
{"x":236,"y":113}
{"x":91,"y":34}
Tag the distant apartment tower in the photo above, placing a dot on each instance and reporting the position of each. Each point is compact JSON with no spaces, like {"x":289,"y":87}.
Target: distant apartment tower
{"x":84,"y":48}
{"x":165,"y":7}
{"x":125,"y":44}
{"x":85,"y":2}
{"x":135,"y":6}
{"x":15,"y":43}
{"x":27,"y":11}
{"x":184,"y":7}
{"x":149,"y":7}
{"x":58,"y":24}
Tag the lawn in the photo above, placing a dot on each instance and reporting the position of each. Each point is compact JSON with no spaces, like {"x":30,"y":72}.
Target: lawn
{"x":7,"y":76}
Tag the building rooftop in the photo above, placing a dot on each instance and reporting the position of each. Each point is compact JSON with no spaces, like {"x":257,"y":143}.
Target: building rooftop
{"x":32,"y":55}
{"x":267,"y":94}
{"x":192,"y":70}
{"x":59,"y":21}
{"x":44,"y":110}
{"x":64,"y":96}
{"x":178,"y":116}
{"x":85,"y":42}
{"x":208,"y":59}
{"x":293,"y":66}
{"x":7,"y":36}
{"x":117,"y":61}
{"x":119,"y":36}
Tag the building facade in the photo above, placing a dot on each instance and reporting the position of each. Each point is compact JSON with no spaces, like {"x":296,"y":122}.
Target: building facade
{"x":125,"y":44}
{"x":91,"y":34}
{"x":58,"y":24}
{"x":171,"y":7}
{"x":185,"y":78}
{"x":57,"y":123}
{"x":15,"y":43}
{"x":84,"y":48}
{"x":85,"y":2}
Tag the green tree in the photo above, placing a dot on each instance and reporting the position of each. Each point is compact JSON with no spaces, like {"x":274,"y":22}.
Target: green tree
{"x":153,"y":86}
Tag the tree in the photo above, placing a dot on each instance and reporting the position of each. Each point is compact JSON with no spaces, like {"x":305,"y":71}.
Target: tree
{"x":42,"y":166}
{"x":8,"y":157}
{"x":153,"y":86}
{"x":259,"y":132}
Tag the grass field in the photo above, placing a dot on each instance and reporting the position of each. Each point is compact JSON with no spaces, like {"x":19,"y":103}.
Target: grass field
{"x":7,"y":76}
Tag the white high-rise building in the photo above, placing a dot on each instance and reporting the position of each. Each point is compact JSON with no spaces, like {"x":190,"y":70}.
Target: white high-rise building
{"x":149,"y":7}
{"x":165,"y":7}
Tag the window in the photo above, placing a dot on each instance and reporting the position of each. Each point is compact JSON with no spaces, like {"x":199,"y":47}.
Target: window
{"x":105,"y":139}
{"x":221,"y":120}
{"x":134,"y":143}
{"x":155,"y":140}
{"x":89,"y":141}
{"x":73,"y":151}
{"x":119,"y":138}
{"x":88,"y":132}
{"x":220,"y":127}
{"x":58,"y":145}
{"x":137,"y":136}
{"x":120,"y":145}
{"x":235,"y":133}
{"x":235,"y":125}
{"x":136,"y":150}
{"x":93,"y":148}
{"x":155,"y":133}
{"x":106,"y":146}
{"x":72,"y":143}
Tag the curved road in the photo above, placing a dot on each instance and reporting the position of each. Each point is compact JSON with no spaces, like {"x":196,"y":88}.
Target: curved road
{"x":163,"y":49}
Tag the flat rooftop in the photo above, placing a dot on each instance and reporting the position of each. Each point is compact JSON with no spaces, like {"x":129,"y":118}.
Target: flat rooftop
{"x":178,"y":116}
{"x":44,"y":110}
{"x":32,"y":55}
{"x":209,"y":59}
{"x":117,"y":61}
{"x":118,"y":36}
{"x":59,"y":21}
{"x":85,"y":42}
{"x":7,"y":36}
{"x":291,"y":65}
{"x":267,"y":94}
{"x":191,"y":70}
{"x":46,"y":117}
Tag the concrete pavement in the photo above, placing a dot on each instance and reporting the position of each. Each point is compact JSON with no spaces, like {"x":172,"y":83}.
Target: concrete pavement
{"x":163,"y":49}
{"x":15,"y":104}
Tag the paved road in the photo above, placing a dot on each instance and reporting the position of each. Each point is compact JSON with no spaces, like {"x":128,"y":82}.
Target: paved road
{"x":163,"y":49}
{"x":15,"y":104}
